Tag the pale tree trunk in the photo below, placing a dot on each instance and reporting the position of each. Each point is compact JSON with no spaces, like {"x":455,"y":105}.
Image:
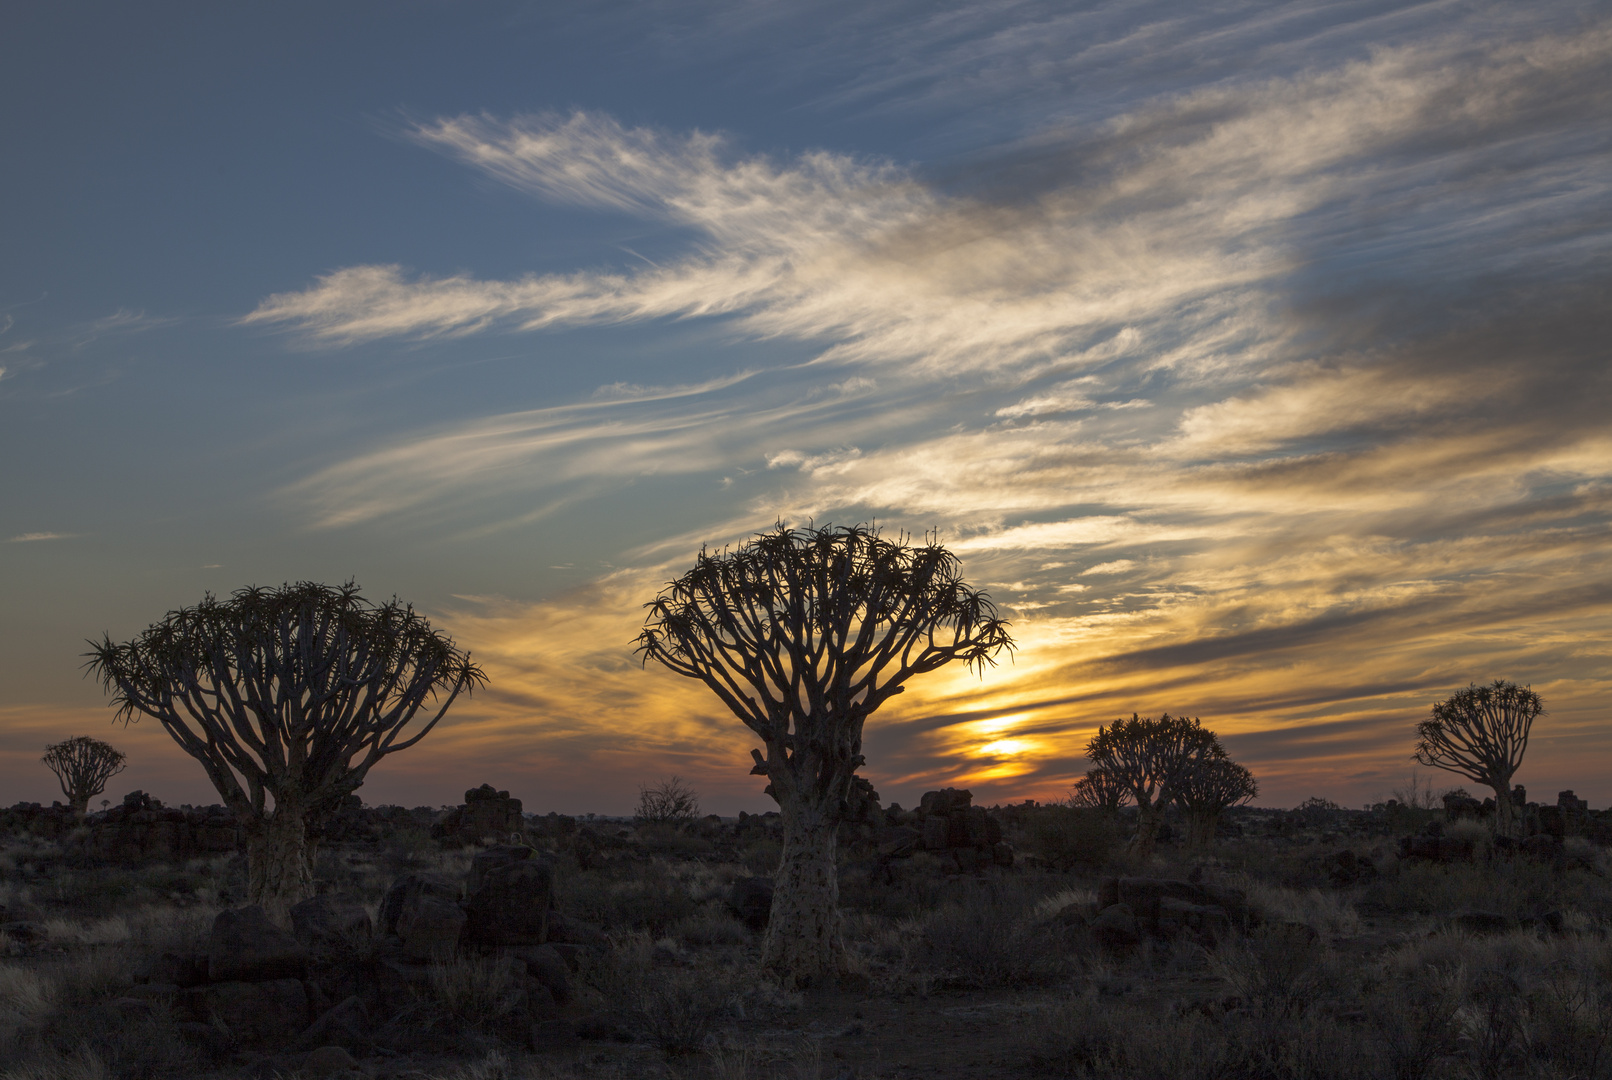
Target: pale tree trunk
{"x":1201,"y":827}
{"x":1147,"y":829}
{"x":1505,"y":813}
{"x":804,"y":943}
{"x":279,"y":862}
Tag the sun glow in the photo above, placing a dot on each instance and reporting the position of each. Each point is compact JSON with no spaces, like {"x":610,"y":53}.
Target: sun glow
{"x":1006,"y":747}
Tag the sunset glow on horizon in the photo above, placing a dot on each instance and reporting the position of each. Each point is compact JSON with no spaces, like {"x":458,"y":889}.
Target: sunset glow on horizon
{"x":1253,"y":361}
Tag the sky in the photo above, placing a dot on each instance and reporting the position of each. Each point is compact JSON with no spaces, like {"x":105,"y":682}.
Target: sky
{"x":1252,"y":356}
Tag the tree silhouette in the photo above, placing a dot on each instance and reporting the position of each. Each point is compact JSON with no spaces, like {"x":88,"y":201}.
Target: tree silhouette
{"x":1481,"y":733}
{"x":1099,"y":789}
{"x":83,"y":766}
{"x":1151,"y":759}
{"x":290,"y":694}
{"x":803,"y":634}
{"x":1207,"y":790}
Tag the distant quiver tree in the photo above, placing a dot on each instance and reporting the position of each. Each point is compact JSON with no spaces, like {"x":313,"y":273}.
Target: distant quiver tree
{"x":1481,"y":733}
{"x":290,"y":694}
{"x":83,"y":766}
{"x":1099,"y":789}
{"x":1152,"y":759}
{"x":803,"y":634}
{"x":1206,"y":792}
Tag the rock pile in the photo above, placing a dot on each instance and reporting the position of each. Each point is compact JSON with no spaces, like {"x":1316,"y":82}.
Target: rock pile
{"x":485,"y":815}
{"x":335,"y":977}
{"x":964,"y":836}
{"x":140,"y":829}
{"x":1129,"y":908}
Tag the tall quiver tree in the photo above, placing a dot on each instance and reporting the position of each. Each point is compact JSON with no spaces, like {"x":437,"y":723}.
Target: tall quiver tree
{"x":1208,"y":790}
{"x":290,"y":694}
{"x":83,"y":766}
{"x":1152,"y":759}
{"x":1481,"y":733}
{"x":804,"y":633}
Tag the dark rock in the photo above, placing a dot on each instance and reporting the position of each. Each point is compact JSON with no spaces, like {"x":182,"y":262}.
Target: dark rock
{"x":937,"y":833}
{"x":898,"y":841}
{"x":751,"y":900}
{"x":327,"y":1061}
{"x":245,"y":946}
{"x":943,"y":802}
{"x":271,"y":1013}
{"x":1107,"y":892}
{"x":1115,"y":928}
{"x":544,"y":964}
{"x":486,"y":814}
{"x":431,"y":927}
{"x":511,"y":905}
{"x":331,"y":921}
{"x":1177,"y":916}
{"x":407,"y":887}
{"x":493,"y":858}
{"x":1002,"y":853}
{"x":343,"y":1024}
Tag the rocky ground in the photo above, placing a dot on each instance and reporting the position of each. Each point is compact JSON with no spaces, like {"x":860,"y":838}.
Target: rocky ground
{"x":483,"y":942}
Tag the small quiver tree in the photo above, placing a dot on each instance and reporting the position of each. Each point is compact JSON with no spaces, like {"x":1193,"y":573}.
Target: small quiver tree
{"x":1208,"y":790}
{"x":1099,"y":789}
{"x":83,"y":766}
{"x":803,"y":634}
{"x":1481,"y":733}
{"x":290,"y":695}
{"x":1151,"y":759}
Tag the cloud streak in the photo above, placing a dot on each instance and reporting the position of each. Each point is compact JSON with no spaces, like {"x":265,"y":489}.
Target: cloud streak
{"x":1276,"y":397}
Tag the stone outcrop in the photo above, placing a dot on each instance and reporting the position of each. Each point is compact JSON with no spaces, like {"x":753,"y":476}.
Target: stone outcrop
{"x":245,"y":946}
{"x":1127,"y":909}
{"x":750,"y":899}
{"x":485,"y":815}
{"x":951,"y":827}
{"x":140,"y":829}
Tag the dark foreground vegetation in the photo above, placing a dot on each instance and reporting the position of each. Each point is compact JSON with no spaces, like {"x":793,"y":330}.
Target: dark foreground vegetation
{"x":1403,"y":942}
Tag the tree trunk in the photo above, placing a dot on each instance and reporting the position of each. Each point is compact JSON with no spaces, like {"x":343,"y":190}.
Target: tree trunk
{"x":1504,"y":811}
{"x":1201,"y":826}
{"x":1147,"y":829}
{"x":804,"y":942}
{"x":279,"y":862}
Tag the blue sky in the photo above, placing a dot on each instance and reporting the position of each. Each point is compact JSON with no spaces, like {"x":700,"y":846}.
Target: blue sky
{"x":1254,"y":357}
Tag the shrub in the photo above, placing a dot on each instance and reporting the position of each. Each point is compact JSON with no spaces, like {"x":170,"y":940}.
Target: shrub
{"x":1071,"y":836}
{"x":672,"y":800}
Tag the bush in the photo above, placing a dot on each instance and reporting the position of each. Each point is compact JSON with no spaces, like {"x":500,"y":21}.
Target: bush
{"x":1070,"y":836}
{"x":991,"y":936}
{"x":672,"y":800}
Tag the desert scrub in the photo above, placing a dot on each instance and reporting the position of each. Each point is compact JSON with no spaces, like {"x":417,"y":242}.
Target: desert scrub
{"x":991,"y":935}
{"x":1517,"y":888}
{"x":624,"y":898}
{"x":675,"y":1008}
{"x":1069,"y":836}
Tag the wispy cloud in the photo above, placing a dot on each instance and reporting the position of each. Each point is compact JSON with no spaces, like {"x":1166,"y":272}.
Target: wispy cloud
{"x":31,"y":537}
{"x":1277,"y":397}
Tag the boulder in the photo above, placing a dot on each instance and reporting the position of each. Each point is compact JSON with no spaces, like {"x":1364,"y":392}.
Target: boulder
{"x":404,"y":889}
{"x":245,"y":946}
{"x":331,"y":921}
{"x":485,"y":814}
{"x":1115,"y":928}
{"x":431,"y":927}
{"x":1178,"y":916}
{"x":343,"y":1024}
{"x":327,"y":1061}
{"x":544,"y":964}
{"x":258,"y":1014}
{"x":751,"y":900}
{"x":178,"y":969}
{"x":898,"y":841}
{"x":493,"y":858}
{"x":937,"y":833}
{"x":510,"y":906}
{"x":942,"y":803}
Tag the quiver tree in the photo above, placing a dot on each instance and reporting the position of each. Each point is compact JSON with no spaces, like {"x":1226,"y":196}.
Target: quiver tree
{"x":1207,"y":790}
{"x":83,"y":766}
{"x":290,"y":694}
{"x":803,"y":633}
{"x":1151,"y":759}
{"x":1099,"y":789}
{"x":1481,"y":733}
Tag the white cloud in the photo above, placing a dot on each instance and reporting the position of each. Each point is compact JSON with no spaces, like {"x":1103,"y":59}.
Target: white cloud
{"x":28,"y":538}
